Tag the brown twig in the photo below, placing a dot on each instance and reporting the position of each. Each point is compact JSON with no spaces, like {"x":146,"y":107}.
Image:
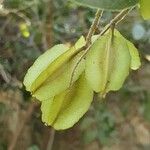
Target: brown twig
{"x":94,"y":26}
{"x":51,"y":140}
{"x":21,"y":125}
{"x":46,"y":26}
{"x":4,"y":75}
{"x":78,"y":62}
{"x":49,"y":133}
{"x":115,"y":20}
{"x":87,"y":46}
{"x":5,"y":12}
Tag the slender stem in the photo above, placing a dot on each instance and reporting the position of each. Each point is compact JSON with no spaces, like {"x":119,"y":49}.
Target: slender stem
{"x":78,"y":62}
{"x":21,"y":125}
{"x":94,"y":26}
{"x":51,"y":140}
{"x":125,"y":15}
{"x":87,"y":46}
{"x":115,"y":20}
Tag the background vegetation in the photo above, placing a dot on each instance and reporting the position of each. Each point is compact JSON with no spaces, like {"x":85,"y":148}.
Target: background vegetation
{"x":27,"y":29}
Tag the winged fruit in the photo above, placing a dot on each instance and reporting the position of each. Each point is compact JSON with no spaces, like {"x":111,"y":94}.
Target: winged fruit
{"x":109,"y":61}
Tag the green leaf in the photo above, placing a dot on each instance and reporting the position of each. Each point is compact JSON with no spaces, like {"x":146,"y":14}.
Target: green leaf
{"x":60,"y":80}
{"x":48,"y":63}
{"x":65,"y":109}
{"x":108,"y":4}
{"x":145,"y":8}
{"x":135,"y":59}
{"x":107,"y":64}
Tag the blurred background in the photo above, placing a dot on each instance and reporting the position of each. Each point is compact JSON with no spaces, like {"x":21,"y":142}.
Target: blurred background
{"x":30,"y":27}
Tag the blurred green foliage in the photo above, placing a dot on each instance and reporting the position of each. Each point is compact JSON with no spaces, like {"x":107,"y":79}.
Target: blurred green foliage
{"x":100,"y":125}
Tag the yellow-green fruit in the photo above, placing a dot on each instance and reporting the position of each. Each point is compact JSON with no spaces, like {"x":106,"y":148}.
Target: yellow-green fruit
{"x":107,"y":63}
{"x":49,"y":63}
{"x":65,"y":109}
{"x":61,"y":79}
{"x":42,"y":63}
{"x":145,"y":8}
{"x":135,"y":58}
